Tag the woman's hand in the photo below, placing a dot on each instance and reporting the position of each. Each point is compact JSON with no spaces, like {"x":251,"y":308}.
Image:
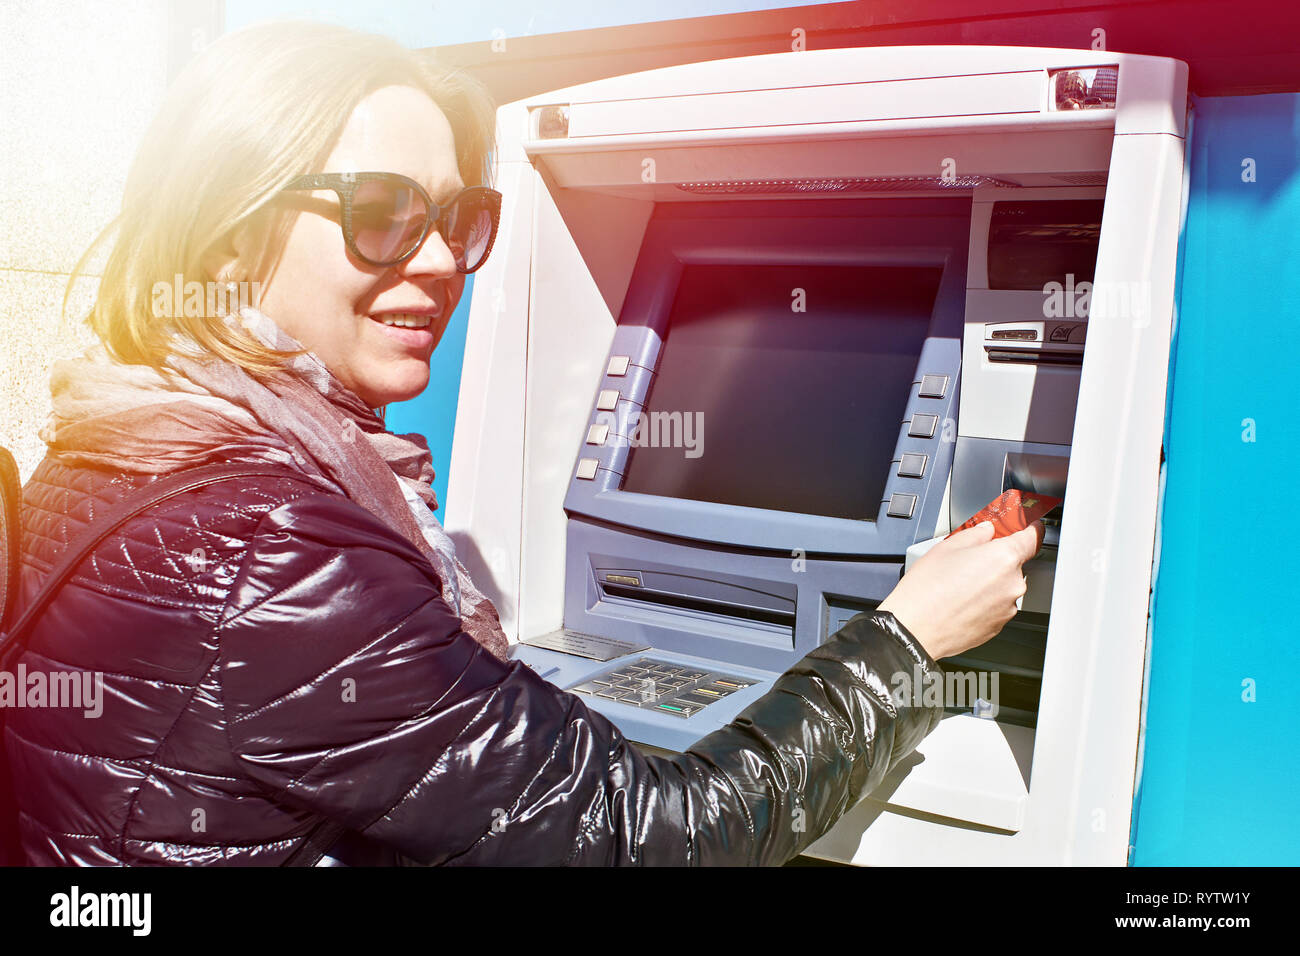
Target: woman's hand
{"x":964,"y":589}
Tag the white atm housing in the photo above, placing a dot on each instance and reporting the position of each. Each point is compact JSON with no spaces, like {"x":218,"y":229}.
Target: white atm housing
{"x":974,"y":126}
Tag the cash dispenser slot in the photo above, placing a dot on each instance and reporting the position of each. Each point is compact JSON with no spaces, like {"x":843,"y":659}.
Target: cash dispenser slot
{"x":1016,"y":653}
{"x":1015,"y":656}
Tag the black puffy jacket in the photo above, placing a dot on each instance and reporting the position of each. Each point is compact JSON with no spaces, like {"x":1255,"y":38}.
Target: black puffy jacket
{"x":274,"y":656}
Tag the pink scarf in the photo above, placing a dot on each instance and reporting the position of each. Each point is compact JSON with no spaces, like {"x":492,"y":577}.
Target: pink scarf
{"x":131,"y":418}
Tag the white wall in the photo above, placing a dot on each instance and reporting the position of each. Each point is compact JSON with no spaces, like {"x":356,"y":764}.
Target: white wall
{"x":81,"y":80}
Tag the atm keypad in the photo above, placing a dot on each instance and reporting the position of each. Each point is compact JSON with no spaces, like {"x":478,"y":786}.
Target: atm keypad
{"x":664,"y":687}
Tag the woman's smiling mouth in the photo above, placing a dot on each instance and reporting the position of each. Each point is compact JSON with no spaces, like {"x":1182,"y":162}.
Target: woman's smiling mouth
{"x":415,"y":330}
{"x":406,"y":320}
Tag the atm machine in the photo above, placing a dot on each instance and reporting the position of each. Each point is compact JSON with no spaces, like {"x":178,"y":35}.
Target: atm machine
{"x":757,"y":330}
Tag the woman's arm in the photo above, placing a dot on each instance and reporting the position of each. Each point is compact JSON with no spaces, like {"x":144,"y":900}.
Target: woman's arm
{"x":757,"y":791}
{"x":350,"y":691}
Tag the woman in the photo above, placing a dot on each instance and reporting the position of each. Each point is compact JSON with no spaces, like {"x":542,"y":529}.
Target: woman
{"x":283,"y":658}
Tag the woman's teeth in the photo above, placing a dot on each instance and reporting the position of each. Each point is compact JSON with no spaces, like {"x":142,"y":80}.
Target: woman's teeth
{"x":405,"y":320}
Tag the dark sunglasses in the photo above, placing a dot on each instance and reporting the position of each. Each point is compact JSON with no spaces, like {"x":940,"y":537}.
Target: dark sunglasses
{"x":386,"y":217}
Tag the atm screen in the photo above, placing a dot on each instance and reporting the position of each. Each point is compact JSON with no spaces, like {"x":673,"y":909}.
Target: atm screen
{"x":1033,"y":243}
{"x":783,"y":387}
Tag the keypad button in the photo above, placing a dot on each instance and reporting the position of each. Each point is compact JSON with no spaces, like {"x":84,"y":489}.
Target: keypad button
{"x":712,"y":692}
{"x":699,"y":699}
{"x":735,"y":683}
{"x":678,"y":708}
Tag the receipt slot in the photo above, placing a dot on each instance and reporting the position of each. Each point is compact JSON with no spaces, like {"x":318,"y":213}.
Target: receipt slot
{"x":756,"y":330}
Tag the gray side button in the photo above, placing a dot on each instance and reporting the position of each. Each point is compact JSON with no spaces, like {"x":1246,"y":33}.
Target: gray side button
{"x":912,"y":465}
{"x":934,"y":386}
{"x":597,"y":434}
{"x":618,"y":365}
{"x":587,"y":467}
{"x":923,"y":425}
{"x":901,"y":506}
{"x":607,"y":399}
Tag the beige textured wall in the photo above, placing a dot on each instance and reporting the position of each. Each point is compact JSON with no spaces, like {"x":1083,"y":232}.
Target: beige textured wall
{"x":80,"y":81}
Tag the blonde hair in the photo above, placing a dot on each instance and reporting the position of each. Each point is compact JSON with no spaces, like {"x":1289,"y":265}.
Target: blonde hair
{"x":254,"y":110}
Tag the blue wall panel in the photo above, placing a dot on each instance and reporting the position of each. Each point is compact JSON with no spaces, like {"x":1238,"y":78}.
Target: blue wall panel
{"x":433,"y":412}
{"x":1220,"y":782}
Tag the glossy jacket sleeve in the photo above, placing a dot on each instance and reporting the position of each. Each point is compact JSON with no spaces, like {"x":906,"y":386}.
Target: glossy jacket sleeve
{"x":349,"y":691}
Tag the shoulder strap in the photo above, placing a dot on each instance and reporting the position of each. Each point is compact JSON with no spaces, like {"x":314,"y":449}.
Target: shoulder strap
{"x":134,"y":503}
{"x":319,"y":841}
{"x":10,"y":500}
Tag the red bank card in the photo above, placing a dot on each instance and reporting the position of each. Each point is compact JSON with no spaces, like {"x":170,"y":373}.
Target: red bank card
{"x":1011,"y":512}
